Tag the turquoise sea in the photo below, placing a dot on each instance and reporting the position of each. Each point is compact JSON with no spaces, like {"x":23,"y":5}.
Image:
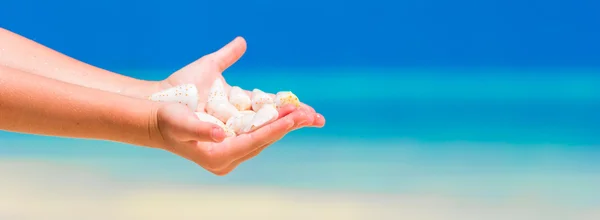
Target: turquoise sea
{"x":474,"y":135}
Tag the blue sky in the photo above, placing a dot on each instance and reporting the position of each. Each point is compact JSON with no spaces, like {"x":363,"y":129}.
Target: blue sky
{"x":317,"y":33}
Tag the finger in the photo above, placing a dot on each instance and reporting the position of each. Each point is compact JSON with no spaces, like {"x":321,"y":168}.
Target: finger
{"x":193,"y":129}
{"x":256,"y":152}
{"x":307,"y":120}
{"x":299,"y":119}
{"x":312,"y":119}
{"x":319,"y":120}
{"x":305,"y":106}
{"x":236,"y":161}
{"x":286,"y":110}
{"x":246,"y":143}
{"x":229,"y":54}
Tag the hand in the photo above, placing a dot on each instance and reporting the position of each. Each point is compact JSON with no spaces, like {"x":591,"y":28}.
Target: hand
{"x":205,"y":70}
{"x":178,"y":130}
{"x":195,"y":140}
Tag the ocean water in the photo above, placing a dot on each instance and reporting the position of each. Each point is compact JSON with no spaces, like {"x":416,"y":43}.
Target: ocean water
{"x":403,"y":132}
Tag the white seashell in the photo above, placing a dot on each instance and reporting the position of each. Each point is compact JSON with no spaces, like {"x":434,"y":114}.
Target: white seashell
{"x":238,"y":122}
{"x":247,"y":112}
{"x":186,"y":94}
{"x":260,"y":99}
{"x":221,"y":109}
{"x":266,"y":115}
{"x":286,"y":97}
{"x":217,"y":91}
{"x":239,"y":99}
{"x":211,"y":119}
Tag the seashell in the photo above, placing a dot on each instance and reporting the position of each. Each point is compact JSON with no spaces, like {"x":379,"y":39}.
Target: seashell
{"x":239,"y":99}
{"x":211,"y":119}
{"x":286,"y":97}
{"x":221,"y":109}
{"x":260,"y":99}
{"x":217,"y":91}
{"x":203,"y":116}
{"x":217,"y":105}
{"x":238,"y":122}
{"x":266,"y":115}
{"x":247,"y":112}
{"x":186,"y":94}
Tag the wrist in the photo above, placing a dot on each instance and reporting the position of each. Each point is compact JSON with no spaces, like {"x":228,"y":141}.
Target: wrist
{"x":155,"y":137}
{"x":130,"y":121}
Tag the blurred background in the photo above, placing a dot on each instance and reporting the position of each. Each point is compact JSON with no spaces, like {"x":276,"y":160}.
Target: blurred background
{"x":435,"y":110}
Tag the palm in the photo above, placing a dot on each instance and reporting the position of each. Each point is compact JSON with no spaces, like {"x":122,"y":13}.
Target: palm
{"x":200,"y":73}
{"x":221,"y":158}
{"x":202,"y":81}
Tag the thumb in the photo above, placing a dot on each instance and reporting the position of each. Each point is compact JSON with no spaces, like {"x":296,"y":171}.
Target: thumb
{"x":229,"y":54}
{"x":194,"y":129}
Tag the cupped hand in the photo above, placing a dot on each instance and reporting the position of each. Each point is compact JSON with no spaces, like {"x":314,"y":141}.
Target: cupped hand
{"x":205,"y":70}
{"x":179,"y":131}
{"x":211,"y":151}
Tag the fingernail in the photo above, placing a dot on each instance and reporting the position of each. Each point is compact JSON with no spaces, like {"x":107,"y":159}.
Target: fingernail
{"x":218,"y":134}
{"x":320,"y":119}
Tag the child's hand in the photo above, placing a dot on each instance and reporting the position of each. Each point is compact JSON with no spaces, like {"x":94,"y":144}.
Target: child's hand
{"x":178,"y":130}
{"x":205,"y":70}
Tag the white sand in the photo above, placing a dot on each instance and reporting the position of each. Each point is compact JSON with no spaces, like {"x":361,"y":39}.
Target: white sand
{"x":44,"y":190}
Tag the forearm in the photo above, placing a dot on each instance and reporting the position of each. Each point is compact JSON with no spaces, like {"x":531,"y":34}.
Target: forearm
{"x":23,"y":54}
{"x":37,"y":105}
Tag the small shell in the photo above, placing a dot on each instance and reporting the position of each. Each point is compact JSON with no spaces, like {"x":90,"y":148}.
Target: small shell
{"x":265,"y":115}
{"x":238,"y":122}
{"x":286,"y":97}
{"x":217,"y":91}
{"x":260,"y":99}
{"x":239,"y":99}
{"x":210,"y":119}
{"x":186,"y":94}
{"x":247,"y":112}
{"x":221,"y":109}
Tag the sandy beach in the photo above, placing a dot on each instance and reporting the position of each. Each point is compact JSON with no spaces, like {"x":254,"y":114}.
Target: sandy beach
{"x":46,"y":190}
